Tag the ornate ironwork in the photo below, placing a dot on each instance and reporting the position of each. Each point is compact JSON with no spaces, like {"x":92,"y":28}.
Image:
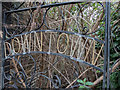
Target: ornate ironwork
{"x":27,"y":52}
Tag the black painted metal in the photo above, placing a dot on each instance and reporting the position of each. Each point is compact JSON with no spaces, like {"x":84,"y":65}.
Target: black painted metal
{"x":28,"y":83}
{"x":3,"y":52}
{"x":43,"y":6}
{"x":108,"y":41}
{"x":59,"y":31}
{"x":107,"y":45}
{"x":58,"y":54}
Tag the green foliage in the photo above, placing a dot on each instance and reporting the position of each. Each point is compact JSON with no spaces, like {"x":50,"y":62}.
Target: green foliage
{"x":97,"y":71}
{"x":115,"y":46}
{"x":84,"y":83}
{"x":115,"y":79}
{"x":80,"y":81}
{"x":115,"y":42}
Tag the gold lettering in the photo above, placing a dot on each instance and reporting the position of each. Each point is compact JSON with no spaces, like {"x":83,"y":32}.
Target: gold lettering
{"x":13,"y":47}
{"x":39,"y":42}
{"x":58,"y":48}
{"x":24,"y":41}
{"x":74,"y":47}
{"x":7,"y":46}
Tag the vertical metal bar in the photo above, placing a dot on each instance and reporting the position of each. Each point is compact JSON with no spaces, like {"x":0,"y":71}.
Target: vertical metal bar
{"x":3,"y":52}
{"x":108,"y":41}
{"x":105,"y":64}
{"x":107,"y":45}
{"x":1,"y":45}
{"x":105,"y":51}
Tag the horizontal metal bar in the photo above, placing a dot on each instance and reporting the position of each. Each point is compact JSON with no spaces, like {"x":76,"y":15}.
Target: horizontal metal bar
{"x":59,"y":54}
{"x":61,"y":31}
{"x":43,"y":6}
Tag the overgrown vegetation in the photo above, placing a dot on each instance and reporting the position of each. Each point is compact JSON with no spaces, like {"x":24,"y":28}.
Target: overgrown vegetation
{"x":83,"y":18}
{"x":115,"y":44}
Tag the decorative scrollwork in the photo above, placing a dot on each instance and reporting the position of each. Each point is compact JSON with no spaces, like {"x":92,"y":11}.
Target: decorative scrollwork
{"x":46,"y":42}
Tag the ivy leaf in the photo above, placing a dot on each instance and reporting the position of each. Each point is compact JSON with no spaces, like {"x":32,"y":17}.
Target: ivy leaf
{"x":118,"y":38}
{"x":80,"y":81}
{"x":81,"y":87}
{"x":97,"y":71}
{"x":83,"y":3}
{"x":96,"y":8}
{"x":119,"y":79}
{"x":89,"y":83}
{"x":84,"y":80}
{"x":94,"y":4}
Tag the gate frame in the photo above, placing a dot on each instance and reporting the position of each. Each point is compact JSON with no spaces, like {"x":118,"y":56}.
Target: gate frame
{"x":107,"y":37}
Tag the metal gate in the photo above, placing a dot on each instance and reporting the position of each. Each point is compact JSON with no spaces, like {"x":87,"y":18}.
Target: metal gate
{"x":34,"y":49}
